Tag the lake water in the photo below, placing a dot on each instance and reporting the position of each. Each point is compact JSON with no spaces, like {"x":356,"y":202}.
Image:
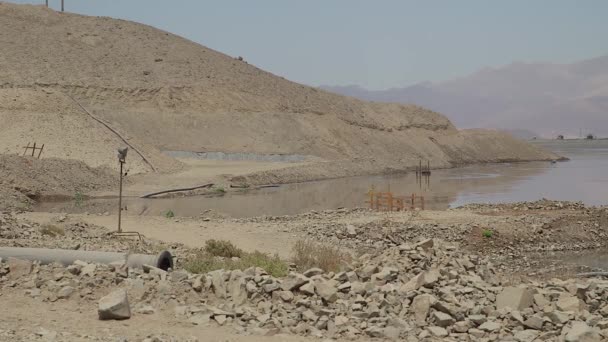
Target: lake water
{"x":583,"y":178}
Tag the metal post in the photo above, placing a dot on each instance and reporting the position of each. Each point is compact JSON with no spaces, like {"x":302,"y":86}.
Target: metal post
{"x":61,"y":5}
{"x":34,"y":149}
{"x":40,"y":151}
{"x":120,"y":199}
{"x":47,"y":3}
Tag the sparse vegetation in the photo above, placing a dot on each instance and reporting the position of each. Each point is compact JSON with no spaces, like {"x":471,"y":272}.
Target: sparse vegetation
{"x":78,"y":199}
{"x":220,"y":190}
{"x":307,"y":254}
{"x":487,"y":233}
{"x":52,"y":230}
{"x":169,"y":214}
{"x":203,"y":262}
{"x":223,"y":248}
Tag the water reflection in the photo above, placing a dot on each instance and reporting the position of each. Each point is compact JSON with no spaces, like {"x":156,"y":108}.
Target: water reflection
{"x":583,"y":178}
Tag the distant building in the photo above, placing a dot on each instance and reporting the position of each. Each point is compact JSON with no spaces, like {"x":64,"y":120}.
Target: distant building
{"x":560,"y":137}
{"x":590,"y":137}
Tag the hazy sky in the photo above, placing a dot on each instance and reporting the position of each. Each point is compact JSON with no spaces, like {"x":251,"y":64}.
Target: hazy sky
{"x":376,"y":43}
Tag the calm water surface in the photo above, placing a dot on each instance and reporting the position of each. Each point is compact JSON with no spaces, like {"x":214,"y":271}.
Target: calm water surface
{"x":583,"y":178}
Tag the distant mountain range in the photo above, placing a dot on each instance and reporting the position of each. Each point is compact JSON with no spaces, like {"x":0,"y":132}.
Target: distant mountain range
{"x":526,"y":99}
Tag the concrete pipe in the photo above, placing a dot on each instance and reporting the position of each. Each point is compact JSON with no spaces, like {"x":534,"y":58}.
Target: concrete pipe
{"x":164,"y":260}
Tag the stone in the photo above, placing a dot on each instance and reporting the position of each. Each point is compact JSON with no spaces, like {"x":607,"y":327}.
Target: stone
{"x":293,"y":282}
{"x":308,"y":315}
{"x":122,"y":270}
{"x":65,"y":292}
{"x":308,"y":289}
{"x":286,"y":296}
{"x":375,"y":332}
{"x":341,"y":321}
{"x":88,"y":270}
{"x":490,"y":326}
{"x":352,"y":277}
{"x":48,"y":335}
{"x":534,"y":322}
{"x":391,"y":333}
{"x":345,"y":287}
{"x":74,"y":269}
{"x":270,"y":288}
{"x":516,"y":316}
{"x":442,"y":319}
{"x":179,"y":276}
{"x":387,"y":274}
{"x":517,"y":298}
{"x":462,"y":327}
{"x":425,"y":244}
{"x":198,"y":283}
{"x":366,"y":272}
{"x":218,"y":284}
{"x":220,"y":319}
{"x":313,"y":272}
{"x":602,"y":324}
{"x":476,"y":333}
{"x":361,"y":288}
{"x":478,"y":319}
{"x":430,"y":278}
{"x":581,"y":332}
{"x":146,"y":310}
{"x":437,"y":331}
{"x":114,"y":306}
{"x":412,"y":285}
{"x":540,"y":300}
{"x":569,"y":304}
{"x":263,"y":318}
{"x":421,"y":306}
{"x":200,"y":319}
{"x":19,"y":268}
{"x":558,"y":317}
{"x":526,"y":335}
{"x":351,"y":231}
{"x":327,"y":291}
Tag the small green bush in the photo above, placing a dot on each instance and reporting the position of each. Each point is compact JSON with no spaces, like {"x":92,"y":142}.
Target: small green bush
{"x":169,"y":214}
{"x":487,"y":233}
{"x":222,"y":248}
{"x":220,"y":190}
{"x":78,"y":199}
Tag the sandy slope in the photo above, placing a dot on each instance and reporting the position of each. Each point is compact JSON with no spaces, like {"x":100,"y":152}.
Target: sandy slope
{"x":51,"y":118}
{"x":165,"y":92}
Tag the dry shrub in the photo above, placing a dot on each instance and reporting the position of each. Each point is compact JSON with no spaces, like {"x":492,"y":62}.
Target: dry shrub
{"x":307,"y":254}
{"x":204,"y":262}
{"x":223,"y":248}
{"x":52,"y":230}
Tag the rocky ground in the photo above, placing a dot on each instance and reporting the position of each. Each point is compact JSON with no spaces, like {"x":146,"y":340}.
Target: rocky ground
{"x":409,"y":280}
{"x":517,"y":236}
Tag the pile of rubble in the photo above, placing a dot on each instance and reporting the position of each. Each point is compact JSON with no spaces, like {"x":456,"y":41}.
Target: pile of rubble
{"x":424,"y":291}
{"x":64,"y":233}
{"x":542,"y":204}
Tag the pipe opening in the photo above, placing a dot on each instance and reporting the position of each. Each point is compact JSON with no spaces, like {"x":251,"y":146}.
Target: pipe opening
{"x":164,"y":261}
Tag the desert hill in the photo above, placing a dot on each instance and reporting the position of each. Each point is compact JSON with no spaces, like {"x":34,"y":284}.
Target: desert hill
{"x":163,"y":92}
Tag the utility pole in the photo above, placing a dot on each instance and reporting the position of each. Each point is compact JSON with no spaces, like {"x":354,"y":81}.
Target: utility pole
{"x":47,"y":3}
{"x":61,"y":5}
